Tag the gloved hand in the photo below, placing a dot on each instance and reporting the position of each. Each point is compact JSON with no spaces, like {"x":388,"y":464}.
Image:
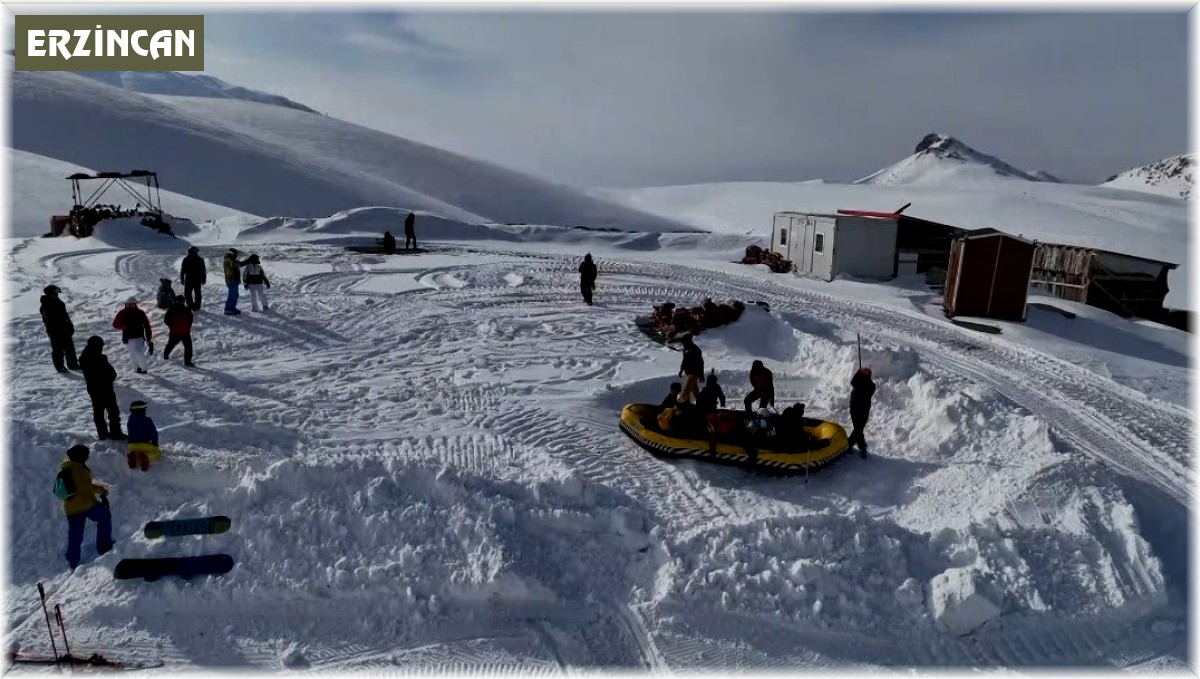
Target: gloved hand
{"x":268,"y":285}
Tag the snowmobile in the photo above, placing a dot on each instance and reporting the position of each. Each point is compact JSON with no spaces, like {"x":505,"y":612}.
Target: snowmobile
{"x":749,"y":442}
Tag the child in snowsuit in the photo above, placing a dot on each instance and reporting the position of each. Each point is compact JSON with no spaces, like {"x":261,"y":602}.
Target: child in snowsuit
{"x":166,"y":295}
{"x":78,"y":493}
{"x":143,"y":437}
{"x":256,"y":279}
{"x":135,"y":333}
{"x":179,"y":329}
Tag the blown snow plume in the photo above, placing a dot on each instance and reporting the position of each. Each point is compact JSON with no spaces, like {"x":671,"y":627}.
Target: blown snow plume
{"x":1168,"y":177}
{"x":940,"y":159}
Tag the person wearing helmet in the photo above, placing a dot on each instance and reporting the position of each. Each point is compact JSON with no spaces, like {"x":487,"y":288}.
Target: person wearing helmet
{"x":862,"y":388}
{"x":256,"y":283}
{"x":60,"y":330}
{"x":233,"y":280}
{"x":193,"y":275}
{"x":135,"y":333}
{"x":75,"y":487}
{"x":99,"y":376}
{"x":166,"y":294}
{"x":143,"y":437}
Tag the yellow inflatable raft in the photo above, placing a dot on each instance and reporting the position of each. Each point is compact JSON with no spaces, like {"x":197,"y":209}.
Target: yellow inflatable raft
{"x":639,"y":421}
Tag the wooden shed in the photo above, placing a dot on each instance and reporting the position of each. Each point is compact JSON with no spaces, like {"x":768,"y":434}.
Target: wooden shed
{"x":988,"y":276}
{"x":1123,"y":284}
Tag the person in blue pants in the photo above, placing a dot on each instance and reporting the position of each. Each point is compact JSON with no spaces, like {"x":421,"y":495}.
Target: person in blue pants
{"x":74,"y":486}
{"x":233,"y":280}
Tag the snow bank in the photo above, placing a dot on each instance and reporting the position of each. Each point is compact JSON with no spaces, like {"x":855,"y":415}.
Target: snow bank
{"x":757,"y":334}
{"x":956,"y":602}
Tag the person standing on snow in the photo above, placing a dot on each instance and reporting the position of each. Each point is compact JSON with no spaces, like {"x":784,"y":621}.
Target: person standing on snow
{"x":763,"y":383}
{"x":60,"y":329}
{"x":166,"y":295}
{"x":410,"y":232}
{"x":143,"y":437}
{"x":193,"y":275}
{"x":862,"y":388}
{"x":256,"y":279}
{"x":135,"y":333}
{"x":74,"y":486}
{"x":692,"y":369}
{"x":233,"y":280}
{"x":711,"y":394}
{"x":587,"y":278}
{"x":99,"y":376}
{"x":178,"y":320}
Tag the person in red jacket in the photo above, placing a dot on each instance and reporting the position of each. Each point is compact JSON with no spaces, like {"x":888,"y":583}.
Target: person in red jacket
{"x":179,"y":329}
{"x":764,"y":386}
{"x":135,"y":334}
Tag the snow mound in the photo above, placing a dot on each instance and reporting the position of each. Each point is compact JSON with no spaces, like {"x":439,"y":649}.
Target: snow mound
{"x":758,"y":334}
{"x":956,"y":601}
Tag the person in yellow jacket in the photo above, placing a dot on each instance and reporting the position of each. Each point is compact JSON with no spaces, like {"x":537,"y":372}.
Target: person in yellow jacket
{"x":74,"y":486}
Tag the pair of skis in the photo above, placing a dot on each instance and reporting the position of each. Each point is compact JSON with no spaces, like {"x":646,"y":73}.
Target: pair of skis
{"x":185,"y":567}
{"x":95,"y":660}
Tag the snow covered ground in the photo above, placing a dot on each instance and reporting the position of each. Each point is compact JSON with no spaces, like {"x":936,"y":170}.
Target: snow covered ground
{"x":421,"y":459}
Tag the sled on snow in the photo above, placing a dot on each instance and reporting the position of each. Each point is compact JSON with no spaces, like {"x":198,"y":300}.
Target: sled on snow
{"x":827,"y":442}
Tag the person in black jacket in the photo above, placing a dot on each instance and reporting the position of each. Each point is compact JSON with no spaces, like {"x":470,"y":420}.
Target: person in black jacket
{"x":193,"y":275}
{"x":711,"y":394}
{"x":861,"y":391}
{"x":60,"y":329}
{"x":389,"y":243}
{"x":692,"y":369}
{"x":410,"y":231}
{"x":99,"y":376}
{"x":587,"y":278}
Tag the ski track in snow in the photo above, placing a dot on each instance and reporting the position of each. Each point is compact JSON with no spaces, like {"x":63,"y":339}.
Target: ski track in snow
{"x":335,"y":381}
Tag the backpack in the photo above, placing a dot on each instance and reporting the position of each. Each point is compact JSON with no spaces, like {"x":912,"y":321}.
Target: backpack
{"x":64,"y":485}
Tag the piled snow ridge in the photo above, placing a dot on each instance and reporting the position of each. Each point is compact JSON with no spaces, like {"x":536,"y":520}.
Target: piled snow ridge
{"x":187,"y":85}
{"x":940,"y":158}
{"x":1169,"y":177}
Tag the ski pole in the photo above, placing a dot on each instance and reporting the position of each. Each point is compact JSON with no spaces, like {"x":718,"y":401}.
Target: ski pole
{"x":858,"y":337}
{"x":42,"y":593}
{"x":63,"y":629}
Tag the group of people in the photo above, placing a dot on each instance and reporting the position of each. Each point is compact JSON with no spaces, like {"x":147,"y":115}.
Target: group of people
{"x":410,"y":236}
{"x":690,"y":406}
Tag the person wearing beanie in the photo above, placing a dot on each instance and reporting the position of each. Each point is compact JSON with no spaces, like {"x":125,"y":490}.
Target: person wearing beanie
{"x":256,"y":279}
{"x":143,"y":437}
{"x":99,"y":376}
{"x":233,"y":280}
{"x":74,"y":486}
{"x":193,"y":275}
{"x":166,"y":294}
{"x":862,"y":388}
{"x":135,"y":333}
{"x":179,"y":330}
{"x":60,"y":330}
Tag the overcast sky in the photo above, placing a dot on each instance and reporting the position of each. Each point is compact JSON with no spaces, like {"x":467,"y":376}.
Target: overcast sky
{"x":643,"y":99}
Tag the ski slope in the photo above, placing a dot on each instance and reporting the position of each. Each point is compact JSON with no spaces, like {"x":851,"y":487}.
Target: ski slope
{"x":270,"y":160}
{"x":421,"y":459}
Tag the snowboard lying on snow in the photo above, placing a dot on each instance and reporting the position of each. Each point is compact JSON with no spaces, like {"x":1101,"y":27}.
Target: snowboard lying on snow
{"x":185,"y":567}
{"x":208,"y":525}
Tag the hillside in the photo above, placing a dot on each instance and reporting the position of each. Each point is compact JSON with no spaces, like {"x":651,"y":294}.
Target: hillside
{"x":269,"y":160}
{"x":1172,"y":176}
{"x":187,"y":85}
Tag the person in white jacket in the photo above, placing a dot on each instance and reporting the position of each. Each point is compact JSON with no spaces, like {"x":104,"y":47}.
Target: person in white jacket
{"x":256,"y":283}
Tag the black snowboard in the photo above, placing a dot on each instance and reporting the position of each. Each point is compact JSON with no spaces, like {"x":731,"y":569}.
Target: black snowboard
{"x":185,"y":567}
{"x":208,"y":525}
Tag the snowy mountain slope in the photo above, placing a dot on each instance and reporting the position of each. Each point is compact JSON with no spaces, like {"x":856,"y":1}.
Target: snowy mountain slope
{"x":270,"y":160}
{"x":941,"y":159}
{"x":1168,"y":177}
{"x":1122,"y":221}
{"x":421,"y":461}
{"x":40,"y":189}
{"x":187,"y":85}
